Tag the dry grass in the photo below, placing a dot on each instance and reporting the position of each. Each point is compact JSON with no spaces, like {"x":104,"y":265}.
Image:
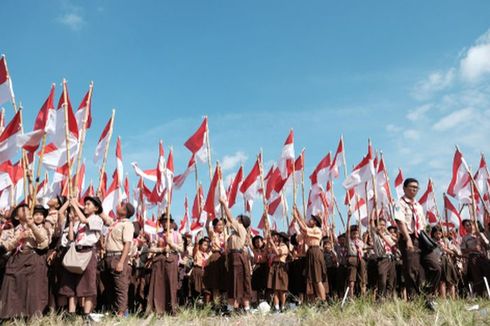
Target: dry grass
{"x":359,"y":312}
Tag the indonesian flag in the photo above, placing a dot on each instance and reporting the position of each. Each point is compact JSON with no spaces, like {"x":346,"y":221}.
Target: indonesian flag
{"x":119,"y":162}
{"x":184,"y":223}
{"x":16,"y":189}
{"x":428,"y":203}
{"x":10,"y":137}
{"x":5,"y":175}
{"x":197,"y":143}
{"x":43,"y":191}
{"x":453,"y":217}
{"x":459,"y":187}
{"x":81,"y":179}
{"x":60,"y":176}
{"x":114,"y":196}
{"x":150,"y":175}
{"x":59,"y":136}
{"x":299,"y":165}
{"x":6,"y":90}
{"x":151,"y":227}
{"x":384,"y":198}
{"x":216,"y":188}
{"x":45,"y":123}
{"x":89,"y":191}
{"x":197,"y":214}
{"x":250,"y":187}
{"x":105,"y":138}
{"x":337,"y":159}
{"x":363,"y":172}
{"x":158,"y":192}
{"x":55,"y":157}
{"x":180,"y":179}
{"x":321,"y":173}
{"x":287,"y":156}
{"x":399,"y":184}
{"x":358,"y":208}
{"x":85,"y":105}
{"x":103,"y":184}
{"x":234,"y":186}
{"x":482,"y":180}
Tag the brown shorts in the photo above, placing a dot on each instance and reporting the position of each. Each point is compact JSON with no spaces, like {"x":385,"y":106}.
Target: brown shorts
{"x":278,"y":277}
{"x":80,"y":285}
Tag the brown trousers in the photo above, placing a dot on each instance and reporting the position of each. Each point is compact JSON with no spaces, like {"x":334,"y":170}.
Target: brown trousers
{"x":118,"y":283}
{"x":386,"y":277}
{"x":412,"y":269}
{"x":478,"y":267}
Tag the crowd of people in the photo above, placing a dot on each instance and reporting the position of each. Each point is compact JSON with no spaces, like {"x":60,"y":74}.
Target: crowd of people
{"x":124,"y":270}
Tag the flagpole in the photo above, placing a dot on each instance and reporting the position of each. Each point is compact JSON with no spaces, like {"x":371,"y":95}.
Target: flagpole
{"x":104,"y":161}
{"x":434,"y":198}
{"x":84,"y":131}
{"x":210,"y":167}
{"x":262,"y":184}
{"x":388,"y":182}
{"x":294,"y":179}
{"x":302,"y":182}
{"x":220,"y":180}
{"x":345,"y":171}
{"x":67,"y":132}
{"x":24,"y":162}
{"x":445,"y":213}
{"x":2,"y":119}
{"x":14,"y":104}
{"x":38,"y":172}
{"x":338,"y":212}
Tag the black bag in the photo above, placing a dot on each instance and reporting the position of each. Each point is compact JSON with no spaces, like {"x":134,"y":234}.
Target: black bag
{"x":426,"y":243}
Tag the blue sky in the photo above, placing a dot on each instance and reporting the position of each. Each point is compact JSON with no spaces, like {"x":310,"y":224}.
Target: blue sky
{"x":414,"y":77}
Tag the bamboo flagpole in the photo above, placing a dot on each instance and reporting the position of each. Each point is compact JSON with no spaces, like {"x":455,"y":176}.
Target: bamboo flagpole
{"x":262,"y":184}
{"x":104,"y":161}
{"x":83,"y":131}
{"x":303,"y":181}
{"x":67,"y":135}
{"x":169,"y":202}
{"x":38,"y":172}
{"x":445,"y":213}
{"x":12,"y":95}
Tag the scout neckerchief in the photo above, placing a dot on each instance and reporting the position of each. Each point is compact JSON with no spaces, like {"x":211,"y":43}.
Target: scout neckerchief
{"x":357,"y":244}
{"x":415,"y":216}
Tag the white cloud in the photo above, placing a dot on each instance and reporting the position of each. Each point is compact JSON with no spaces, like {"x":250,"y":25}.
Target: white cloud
{"x":475,"y":63}
{"x":454,"y":119}
{"x":435,"y":82}
{"x":230,"y":162}
{"x":411,"y":134}
{"x":72,"y":20}
{"x":419,"y":112}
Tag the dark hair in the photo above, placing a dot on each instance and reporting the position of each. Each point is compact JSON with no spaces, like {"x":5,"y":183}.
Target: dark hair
{"x":215,"y":222}
{"x":381,"y":219}
{"x":294,"y":240}
{"x":463,"y":222}
{"x":354,"y":228}
{"x":202,"y":240}
{"x":435,"y":229}
{"x":392,"y":227}
{"x":245,"y":220}
{"x":408,"y":181}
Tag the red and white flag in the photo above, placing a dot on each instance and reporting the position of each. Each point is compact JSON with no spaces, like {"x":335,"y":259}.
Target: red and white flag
{"x":150,"y":175}
{"x":158,"y":193}
{"x":184,"y":223}
{"x":363,"y":172}
{"x":197,"y":143}
{"x":55,"y":157}
{"x":428,"y":203}
{"x":16,"y":189}
{"x":287,"y":156}
{"x":399,"y":185}
{"x":180,"y":179}
{"x":5,"y":175}
{"x":10,"y":137}
{"x":45,"y":123}
{"x":59,"y":136}
{"x":251,"y":186}
{"x":105,"y":138}
{"x":321,"y":173}
{"x":234,"y":186}
{"x":119,"y":162}
{"x":459,"y":187}
{"x":114,"y":195}
{"x":216,"y":188}
{"x":197,"y":214}
{"x":85,"y":105}
{"x":453,"y":216}
{"x":384,"y":197}
{"x":337,"y":160}
{"x":6,"y":90}
{"x":2,"y":120}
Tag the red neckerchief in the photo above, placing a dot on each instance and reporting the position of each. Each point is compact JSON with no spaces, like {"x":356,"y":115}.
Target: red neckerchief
{"x":415,"y":216}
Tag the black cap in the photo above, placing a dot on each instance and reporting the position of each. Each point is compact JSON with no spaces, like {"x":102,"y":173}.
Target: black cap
{"x":13,"y":216}
{"x":317,"y":220}
{"x":284,"y":236}
{"x":96,"y":201}
{"x":245,"y":220}
{"x":40,"y":209}
{"x":129,"y":210}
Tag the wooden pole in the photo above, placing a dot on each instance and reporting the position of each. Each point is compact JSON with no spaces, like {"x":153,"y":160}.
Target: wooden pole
{"x":445,"y":213}
{"x":104,"y":161}
{"x":169,"y":203}
{"x":2,"y":120}
{"x":84,"y":131}
{"x":294,"y":181}
{"x":67,"y":133}
{"x":338,"y":212}
{"x":38,"y":172}
{"x":262,"y":184}
{"x":303,"y":182}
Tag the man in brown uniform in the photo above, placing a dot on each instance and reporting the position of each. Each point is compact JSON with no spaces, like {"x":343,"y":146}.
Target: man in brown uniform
{"x":239,"y":277}
{"x":411,"y":220}
{"x":118,"y":243}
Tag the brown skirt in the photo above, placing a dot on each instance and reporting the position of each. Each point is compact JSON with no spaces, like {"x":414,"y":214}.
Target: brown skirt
{"x":214,"y":272}
{"x":162,"y":294}
{"x":80,"y":285}
{"x":297,"y":280}
{"x":25,"y":286}
{"x":197,"y":279}
{"x":449,"y":272}
{"x":278,"y":277}
{"x":239,"y":278}
{"x":316,"y":271}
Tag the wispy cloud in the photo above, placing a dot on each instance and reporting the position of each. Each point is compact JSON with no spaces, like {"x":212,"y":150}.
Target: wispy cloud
{"x":72,"y":16}
{"x":230,"y":162}
{"x":435,"y":82}
{"x":475,"y":63}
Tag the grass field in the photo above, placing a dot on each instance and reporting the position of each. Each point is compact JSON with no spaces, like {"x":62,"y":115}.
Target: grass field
{"x":358,"y":312}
